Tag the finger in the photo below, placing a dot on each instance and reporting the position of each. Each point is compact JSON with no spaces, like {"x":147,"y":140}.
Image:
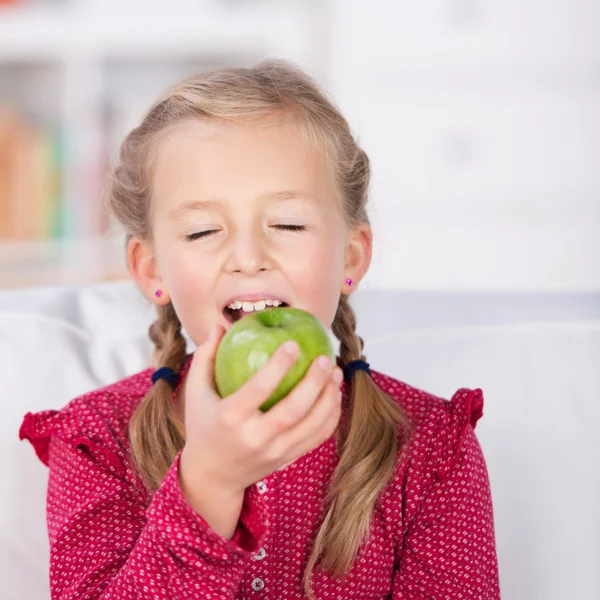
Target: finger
{"x":202,"y":369}
{"x":318,"y":425}
{"x":247,"y":400}
{"x":294,"y":407}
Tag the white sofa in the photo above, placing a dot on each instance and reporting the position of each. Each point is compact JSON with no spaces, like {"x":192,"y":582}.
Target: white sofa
{"x":536,"y":357}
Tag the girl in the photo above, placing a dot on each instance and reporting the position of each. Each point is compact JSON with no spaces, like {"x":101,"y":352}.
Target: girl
{"x":239,"y":190}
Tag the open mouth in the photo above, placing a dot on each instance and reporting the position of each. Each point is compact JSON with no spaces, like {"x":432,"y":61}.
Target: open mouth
{"x":235,"y":314}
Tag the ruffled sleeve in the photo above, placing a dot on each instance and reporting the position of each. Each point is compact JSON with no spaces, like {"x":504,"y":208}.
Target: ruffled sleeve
{"x":449,"y":548}
{"x":66,"y":425}
{"x":35,"y":428}
{"x":109,"y":542}
{"x":461,"y":416}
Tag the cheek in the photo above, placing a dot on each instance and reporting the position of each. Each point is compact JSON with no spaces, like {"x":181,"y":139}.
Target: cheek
{"x":185,"y":276}
{"x":318,"y":281}
{"x":192,"y":290}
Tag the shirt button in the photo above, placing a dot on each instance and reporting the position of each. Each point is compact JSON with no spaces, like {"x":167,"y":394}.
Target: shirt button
{"x":262,"y":487}
{"x":258,"y":584}
{"x":261,"y":554}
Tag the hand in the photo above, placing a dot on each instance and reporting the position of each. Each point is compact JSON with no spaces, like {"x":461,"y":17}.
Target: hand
{"x":231,"y":443}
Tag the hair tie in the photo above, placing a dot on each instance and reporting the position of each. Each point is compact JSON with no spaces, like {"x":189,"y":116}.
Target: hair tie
{"x":355,"y":365}
{"x":172,"y":377}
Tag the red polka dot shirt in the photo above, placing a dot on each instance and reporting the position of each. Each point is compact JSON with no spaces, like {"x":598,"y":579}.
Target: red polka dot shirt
{"x":432,"y":533}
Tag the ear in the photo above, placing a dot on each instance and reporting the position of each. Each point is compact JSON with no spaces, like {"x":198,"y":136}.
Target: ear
{"x":359,"y":250}
{"x":144,"y":270}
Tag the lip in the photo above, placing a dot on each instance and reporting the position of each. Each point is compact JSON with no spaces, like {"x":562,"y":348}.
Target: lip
{"x":225,"y":322}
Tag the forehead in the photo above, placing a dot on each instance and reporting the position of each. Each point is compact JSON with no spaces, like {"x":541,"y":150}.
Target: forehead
{"x":204,"y":160}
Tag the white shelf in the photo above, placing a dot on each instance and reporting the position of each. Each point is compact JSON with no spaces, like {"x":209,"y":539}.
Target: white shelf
{"x":92,"y":57}
{"x":50,"y":262}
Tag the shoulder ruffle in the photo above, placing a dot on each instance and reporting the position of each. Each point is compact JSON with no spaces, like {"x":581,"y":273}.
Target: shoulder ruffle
{"x":36,"y":429}
{"x":69,"y":426}
{"x":96,"y":422}
{"x":464,"y":410}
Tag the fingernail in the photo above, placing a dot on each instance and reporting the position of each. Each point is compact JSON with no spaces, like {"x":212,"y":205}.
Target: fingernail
{"x":291,"y":347}
{"x":337,"y":376}
{"x":324,"y":362}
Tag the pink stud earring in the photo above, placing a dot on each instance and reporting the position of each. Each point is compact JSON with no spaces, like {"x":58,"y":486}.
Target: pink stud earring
{"x":158,"y":293}
{"x":349,"y":281}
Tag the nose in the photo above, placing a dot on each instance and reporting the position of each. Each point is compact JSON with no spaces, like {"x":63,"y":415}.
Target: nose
{"x":248,"y":252}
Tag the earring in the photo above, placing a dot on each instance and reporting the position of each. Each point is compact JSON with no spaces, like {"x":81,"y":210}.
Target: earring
{"x":158,"y":293}
{"x":349,"y":281}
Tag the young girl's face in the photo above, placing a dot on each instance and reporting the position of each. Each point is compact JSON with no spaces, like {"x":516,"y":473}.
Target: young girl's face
{"x":220,"y":196}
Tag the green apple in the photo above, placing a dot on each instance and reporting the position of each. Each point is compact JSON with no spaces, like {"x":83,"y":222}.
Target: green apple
{"x":251,"y":341}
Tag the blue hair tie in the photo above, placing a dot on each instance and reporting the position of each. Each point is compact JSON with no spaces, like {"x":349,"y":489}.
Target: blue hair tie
{"x":172,"y":377}
{"x":355,"y":365}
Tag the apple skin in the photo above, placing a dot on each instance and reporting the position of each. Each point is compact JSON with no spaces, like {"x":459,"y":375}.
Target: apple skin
{"x":251,"y":341}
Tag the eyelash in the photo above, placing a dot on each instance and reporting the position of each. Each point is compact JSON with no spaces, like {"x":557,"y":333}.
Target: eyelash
{"x":202,"y":234}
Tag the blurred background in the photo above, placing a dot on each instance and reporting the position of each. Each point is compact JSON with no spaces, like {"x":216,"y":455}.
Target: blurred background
{"x":481,"y":119}
{"x":482,"y":122}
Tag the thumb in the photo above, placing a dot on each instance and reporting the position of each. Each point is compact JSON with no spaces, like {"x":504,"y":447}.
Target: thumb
{"x":204,"y":357}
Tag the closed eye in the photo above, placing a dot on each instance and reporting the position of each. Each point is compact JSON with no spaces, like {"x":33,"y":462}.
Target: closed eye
{"x":291,"y":227}
{"x":201,"y":234}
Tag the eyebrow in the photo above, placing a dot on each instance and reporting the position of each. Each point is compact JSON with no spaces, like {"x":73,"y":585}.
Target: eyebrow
{"x":196,"y":205}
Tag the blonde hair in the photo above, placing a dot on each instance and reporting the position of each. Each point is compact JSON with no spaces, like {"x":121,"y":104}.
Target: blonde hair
{"x":368,"y":442}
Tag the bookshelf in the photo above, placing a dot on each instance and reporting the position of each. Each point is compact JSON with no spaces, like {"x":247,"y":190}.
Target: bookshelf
{"x":75,"y":77}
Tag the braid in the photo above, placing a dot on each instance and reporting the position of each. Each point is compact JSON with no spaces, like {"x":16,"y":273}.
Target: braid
{"x":344,"y":328}
{"x":156,"y":433}
{"x":169,"y":343}
{"x":368,"y":446}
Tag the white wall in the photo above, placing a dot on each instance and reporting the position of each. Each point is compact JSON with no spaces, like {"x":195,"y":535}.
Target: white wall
{"x":482,"y":120}
{"x":481,"y":117}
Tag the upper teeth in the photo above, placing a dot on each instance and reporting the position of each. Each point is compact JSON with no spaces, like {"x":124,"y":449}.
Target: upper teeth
{"x":251,"y":306}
